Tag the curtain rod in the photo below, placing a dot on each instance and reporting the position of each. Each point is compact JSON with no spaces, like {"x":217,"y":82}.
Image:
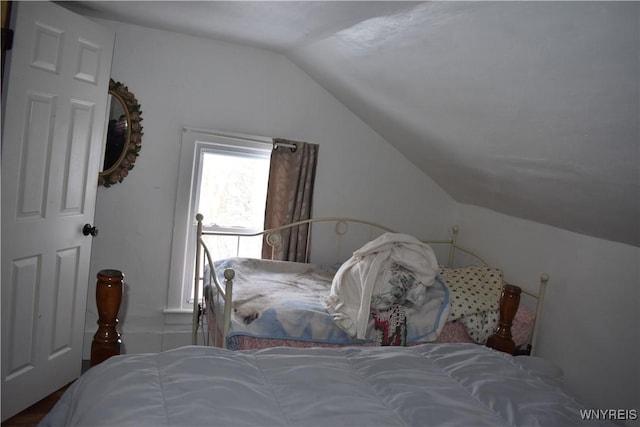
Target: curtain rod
{"x":232,"y":135}
{"x":292,"y":147}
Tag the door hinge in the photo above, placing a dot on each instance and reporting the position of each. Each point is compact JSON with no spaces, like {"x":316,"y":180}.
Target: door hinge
{"x":7,"y":39}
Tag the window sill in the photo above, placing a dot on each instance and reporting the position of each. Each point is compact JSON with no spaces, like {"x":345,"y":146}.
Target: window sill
{"x":177,"y":316}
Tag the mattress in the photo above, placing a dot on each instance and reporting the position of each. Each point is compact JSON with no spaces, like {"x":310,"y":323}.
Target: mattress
{"x":430,"y":384}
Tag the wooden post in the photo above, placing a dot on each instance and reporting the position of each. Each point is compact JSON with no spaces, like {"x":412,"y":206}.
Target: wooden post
{"x":106,"y":341}
{"x":501,"y":339}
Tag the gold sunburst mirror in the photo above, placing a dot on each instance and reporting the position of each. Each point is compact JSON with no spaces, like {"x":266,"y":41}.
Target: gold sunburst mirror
{"x":124,"y":135}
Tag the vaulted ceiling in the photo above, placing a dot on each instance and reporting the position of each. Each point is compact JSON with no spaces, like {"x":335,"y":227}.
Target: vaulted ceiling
{"x":530,"y":109}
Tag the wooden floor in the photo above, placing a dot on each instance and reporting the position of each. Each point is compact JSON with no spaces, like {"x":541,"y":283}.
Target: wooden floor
{"x":31,"y":416}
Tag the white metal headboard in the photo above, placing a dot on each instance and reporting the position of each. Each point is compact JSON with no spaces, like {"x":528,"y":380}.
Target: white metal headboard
{"x":273,"y":238}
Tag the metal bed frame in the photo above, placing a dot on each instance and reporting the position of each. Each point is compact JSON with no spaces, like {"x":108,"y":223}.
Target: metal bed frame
{"x":273,"y":238}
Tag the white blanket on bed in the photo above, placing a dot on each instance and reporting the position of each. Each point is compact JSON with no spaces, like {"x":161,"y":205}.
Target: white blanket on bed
{"x":366,"y":278}
{"x":427,"y":385}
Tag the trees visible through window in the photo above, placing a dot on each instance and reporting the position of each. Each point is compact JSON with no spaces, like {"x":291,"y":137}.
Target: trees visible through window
{"x":232,"y":193}
{"x":233,"y":189}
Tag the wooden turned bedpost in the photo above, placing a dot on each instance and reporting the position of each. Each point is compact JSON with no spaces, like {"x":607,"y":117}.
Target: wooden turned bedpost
{"x":106,"y":341}
{"x":501,"y":339}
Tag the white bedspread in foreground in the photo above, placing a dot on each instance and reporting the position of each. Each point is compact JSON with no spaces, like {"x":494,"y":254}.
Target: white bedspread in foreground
{"x":431,"y":384}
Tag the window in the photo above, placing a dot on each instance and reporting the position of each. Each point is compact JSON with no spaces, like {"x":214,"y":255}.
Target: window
{"x":224,"y":177}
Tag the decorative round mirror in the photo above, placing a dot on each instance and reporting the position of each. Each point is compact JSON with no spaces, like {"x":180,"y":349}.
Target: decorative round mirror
{"x":124,"y":135}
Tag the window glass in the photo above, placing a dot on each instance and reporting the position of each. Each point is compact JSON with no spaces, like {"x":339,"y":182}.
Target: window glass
{"x":233,"y":189}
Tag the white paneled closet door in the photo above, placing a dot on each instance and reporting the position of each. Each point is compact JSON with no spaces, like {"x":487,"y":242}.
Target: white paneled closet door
{"x":54,"y":121}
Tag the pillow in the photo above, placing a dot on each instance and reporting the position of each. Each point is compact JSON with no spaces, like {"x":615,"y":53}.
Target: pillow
{"x":473,"y":289}
{"x":480,"y":326}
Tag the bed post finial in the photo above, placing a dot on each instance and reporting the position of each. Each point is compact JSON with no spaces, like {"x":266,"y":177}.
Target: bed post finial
{"x":199,"y":217}
{"x":229,"y":274}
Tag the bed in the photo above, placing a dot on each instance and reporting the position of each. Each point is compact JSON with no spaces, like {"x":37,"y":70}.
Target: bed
{"x":446,"y":384}
{"x":254,"y":303}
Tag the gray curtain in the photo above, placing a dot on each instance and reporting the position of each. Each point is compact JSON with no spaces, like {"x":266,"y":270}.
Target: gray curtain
{"x":290,"y":196}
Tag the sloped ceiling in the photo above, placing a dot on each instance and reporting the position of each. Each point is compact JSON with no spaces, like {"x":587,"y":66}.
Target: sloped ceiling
{"x":530,"y":109}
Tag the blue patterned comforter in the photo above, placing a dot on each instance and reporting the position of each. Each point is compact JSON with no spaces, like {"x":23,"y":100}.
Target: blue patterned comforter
{"x":282,"y":300}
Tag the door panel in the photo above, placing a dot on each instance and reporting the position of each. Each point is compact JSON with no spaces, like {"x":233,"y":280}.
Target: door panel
{"x":77,"y":159}
{"x":53,"y":131}
{"x":22,"y":311}
{"x":34,"y":155}
{"x":63,"y":314}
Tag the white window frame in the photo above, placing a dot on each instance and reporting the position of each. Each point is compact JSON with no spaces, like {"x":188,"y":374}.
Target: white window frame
{"x":194,"y":143}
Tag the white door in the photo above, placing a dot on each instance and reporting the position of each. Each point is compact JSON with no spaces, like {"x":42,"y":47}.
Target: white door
{"x":53,"y":128}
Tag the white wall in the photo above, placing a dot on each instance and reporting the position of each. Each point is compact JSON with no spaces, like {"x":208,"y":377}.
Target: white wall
{"x":181,"y":80}
{"x":591,"y":322}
